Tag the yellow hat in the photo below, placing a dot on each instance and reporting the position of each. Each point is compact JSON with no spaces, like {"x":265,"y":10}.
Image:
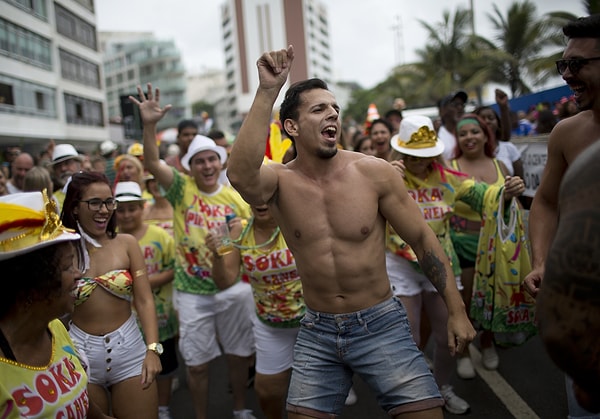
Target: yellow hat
{"x":136,"y":149}
{"x":30,"y":221}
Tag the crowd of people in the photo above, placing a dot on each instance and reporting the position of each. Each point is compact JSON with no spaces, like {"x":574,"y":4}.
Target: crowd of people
{"x":303,"y":272}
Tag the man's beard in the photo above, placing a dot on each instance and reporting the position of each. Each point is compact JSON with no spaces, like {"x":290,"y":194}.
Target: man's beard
{"x":327,"y":153}
{"x":62,"y":179}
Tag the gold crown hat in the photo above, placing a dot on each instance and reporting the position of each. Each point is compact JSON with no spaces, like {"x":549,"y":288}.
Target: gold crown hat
{"x":417,"y":138}
{"x":30,"y":221}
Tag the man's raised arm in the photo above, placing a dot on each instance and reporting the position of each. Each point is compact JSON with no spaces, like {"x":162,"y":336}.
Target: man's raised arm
{"x":244,"y":169}
{"x":151,"y":113}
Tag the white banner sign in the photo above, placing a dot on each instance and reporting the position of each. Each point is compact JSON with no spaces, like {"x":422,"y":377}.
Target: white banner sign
{"x":534,"y":153}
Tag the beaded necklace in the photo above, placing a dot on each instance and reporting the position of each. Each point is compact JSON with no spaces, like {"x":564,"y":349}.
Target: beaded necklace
{"x":256,"y":246}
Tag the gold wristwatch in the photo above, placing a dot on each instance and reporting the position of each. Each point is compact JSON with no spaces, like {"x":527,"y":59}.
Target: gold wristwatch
{"x":157,"y":348}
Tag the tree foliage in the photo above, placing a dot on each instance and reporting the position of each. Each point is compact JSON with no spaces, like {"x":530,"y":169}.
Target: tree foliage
{"x":520,"y":54}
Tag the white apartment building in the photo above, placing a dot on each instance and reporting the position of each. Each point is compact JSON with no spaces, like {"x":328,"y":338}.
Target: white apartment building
{"x":251,"y":27}
{"x":51,"y":84}
{"x":137,"y":58}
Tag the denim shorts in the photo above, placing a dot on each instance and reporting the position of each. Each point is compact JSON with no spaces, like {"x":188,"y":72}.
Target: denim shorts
{"x":376,"y":344}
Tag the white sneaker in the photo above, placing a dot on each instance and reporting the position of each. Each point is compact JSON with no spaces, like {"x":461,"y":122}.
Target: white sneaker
{"x":163,"y":412}
{"x":489,"y":358}
{"x":243,"y":414}
{"x":464,"y":368}
{"x":454,"y":404}
{"x":351,"y":398}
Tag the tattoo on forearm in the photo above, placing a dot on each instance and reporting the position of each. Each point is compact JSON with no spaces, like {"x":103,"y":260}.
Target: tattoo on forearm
{"x":434,"y":269}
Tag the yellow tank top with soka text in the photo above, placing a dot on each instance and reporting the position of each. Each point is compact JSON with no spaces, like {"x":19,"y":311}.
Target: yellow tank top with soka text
{"x":271,"y":271}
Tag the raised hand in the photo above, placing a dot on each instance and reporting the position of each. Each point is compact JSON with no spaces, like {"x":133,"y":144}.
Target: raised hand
{"x":501,"y":98}
{"x":149,"y":105}
{"x":274,"y":68}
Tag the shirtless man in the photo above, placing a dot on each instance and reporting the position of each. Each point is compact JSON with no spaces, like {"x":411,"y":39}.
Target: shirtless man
{"x":332,"y":206}
{"x":580,"y":68}
{"x":569,"y":302}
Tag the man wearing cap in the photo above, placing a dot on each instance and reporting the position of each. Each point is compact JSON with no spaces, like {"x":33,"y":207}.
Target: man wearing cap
{"x":109,"y":150}
{"x":65,"y":161}
{"x":208,"y":318}
{"x":19,"y":168}
{"x":451,"y":108}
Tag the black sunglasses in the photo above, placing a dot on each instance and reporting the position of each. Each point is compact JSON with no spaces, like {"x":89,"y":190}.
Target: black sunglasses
{"x":573,"y":64}
{"x":95,"y":204}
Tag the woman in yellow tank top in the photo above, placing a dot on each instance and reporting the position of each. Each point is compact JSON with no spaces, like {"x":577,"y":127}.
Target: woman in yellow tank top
{"x":475,"y":153}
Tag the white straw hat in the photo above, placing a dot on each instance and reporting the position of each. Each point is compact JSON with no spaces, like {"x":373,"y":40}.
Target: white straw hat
{"x":64,"y":152}
{"x":128,"y":192}
{"x":201,"y":143}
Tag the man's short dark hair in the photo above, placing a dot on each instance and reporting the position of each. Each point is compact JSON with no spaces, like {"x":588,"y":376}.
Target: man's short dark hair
{"x":186,"y":123}
{"x":289,"y":107}
{"x":393,"y":112}
{"x":584,"y":27}
{"x":214,"y":134}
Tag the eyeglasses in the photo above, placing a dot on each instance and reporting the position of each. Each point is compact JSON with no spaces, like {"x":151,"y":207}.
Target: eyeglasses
{"x":95,"y":204}
{"x":573,"y":64}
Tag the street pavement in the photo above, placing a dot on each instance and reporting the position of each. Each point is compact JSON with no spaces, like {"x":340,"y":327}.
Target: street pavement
{"x":527,"y":385}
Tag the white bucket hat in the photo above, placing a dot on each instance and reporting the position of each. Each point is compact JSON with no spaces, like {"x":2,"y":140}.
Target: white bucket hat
{"x":128,"y":192}
{"x":201,"y":143}
{"x":64,"y":152}
{"x":30,"y":221}
{"x":417,"y":138}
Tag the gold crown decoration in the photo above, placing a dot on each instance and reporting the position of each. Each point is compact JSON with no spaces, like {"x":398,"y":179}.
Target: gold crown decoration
{"x":28,"y":227}
{"x":424,"y":137}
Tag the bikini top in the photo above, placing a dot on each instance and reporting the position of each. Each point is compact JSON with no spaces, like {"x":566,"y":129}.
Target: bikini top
{"x":118,"y":282}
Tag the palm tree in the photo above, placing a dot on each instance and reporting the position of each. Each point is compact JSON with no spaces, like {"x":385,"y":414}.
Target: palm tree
{"x":522,"y":37}
{"x":443,"y":67}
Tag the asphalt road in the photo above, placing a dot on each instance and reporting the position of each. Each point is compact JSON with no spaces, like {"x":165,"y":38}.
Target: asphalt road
{"x":526,"y":385}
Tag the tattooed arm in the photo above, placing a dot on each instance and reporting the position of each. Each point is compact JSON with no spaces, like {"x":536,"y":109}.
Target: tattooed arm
{"x":569,"y":302}
{"x":403,"y":214}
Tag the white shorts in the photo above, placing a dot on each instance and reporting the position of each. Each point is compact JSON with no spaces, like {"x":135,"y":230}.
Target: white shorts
{"x":114,"y":357}
{"x":405,"y":280}
{"x":274,"y":347}
{"x":208,"y":323}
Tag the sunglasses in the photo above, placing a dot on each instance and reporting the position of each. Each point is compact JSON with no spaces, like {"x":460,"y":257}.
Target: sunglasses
{"x":573,"y":64}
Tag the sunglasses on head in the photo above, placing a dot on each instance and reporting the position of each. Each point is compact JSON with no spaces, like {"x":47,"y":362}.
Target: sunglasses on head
{"x":573,"y":64}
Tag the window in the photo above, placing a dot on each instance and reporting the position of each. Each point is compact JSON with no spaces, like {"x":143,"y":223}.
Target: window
{"x":6,"y":94}
{"x":22,"y":97}
{"x":75,"y":28}
{"x":130,"y":74}
{"x":36,"y":8}
{"x":88,"y":4}
{"x":40,"y":101}
{"x":81,"y":111}
{"x":78,"y":69}
{"x":24,"y":45}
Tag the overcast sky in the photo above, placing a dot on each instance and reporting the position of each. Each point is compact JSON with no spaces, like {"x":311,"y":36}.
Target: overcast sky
{"x":365,"y":46}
